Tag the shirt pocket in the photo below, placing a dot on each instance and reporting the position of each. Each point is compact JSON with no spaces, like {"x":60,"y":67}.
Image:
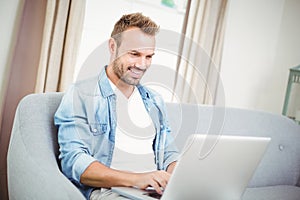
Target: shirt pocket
{"x":97,"y":128}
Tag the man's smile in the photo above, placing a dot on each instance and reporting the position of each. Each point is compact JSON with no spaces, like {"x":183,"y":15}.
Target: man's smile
{"x":136,"y":72}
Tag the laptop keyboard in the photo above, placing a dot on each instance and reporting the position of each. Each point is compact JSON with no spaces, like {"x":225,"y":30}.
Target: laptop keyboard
{"x":153,"y":194}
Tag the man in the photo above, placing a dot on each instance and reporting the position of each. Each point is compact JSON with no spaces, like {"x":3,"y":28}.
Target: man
{"x":89,"y":120}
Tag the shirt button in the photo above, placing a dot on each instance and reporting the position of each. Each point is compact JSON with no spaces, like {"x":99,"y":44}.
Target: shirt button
{"x":94,"y":130}
{"x":281,"y":147}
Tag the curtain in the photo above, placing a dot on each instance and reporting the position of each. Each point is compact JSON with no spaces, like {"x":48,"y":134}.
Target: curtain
{"x":61,"y":39}
{"x":22,"y":67}
{"x":197,"y":73}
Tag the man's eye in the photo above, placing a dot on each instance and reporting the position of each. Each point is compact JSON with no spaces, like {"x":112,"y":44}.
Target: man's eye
{"x":148,"y":57}
{"x":134,"y":54}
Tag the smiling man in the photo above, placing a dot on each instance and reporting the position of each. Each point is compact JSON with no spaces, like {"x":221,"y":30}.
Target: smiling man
{"x":100,"y":147}
{"x":131,"y":55}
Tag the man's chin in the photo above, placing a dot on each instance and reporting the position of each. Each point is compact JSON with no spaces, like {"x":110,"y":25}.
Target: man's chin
{"x":133,"y":82}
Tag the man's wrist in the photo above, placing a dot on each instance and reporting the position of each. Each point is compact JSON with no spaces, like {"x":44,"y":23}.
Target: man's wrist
{"x":171,"y":167}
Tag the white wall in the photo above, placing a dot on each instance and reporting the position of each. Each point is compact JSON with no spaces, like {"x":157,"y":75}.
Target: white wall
{"x":261,"y":43}
{"x":9,"y":10}
{"x":288,"y":53}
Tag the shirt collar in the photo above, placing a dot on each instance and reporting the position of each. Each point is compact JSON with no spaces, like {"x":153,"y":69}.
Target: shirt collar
{"x":104,"y":85}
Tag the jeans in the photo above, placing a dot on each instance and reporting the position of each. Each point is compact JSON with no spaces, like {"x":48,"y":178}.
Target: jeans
{"x":105,"y":194}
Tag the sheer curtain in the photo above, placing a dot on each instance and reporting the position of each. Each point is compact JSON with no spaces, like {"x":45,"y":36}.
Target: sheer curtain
{"x":61,"y":39}
{"x":200,"y":54}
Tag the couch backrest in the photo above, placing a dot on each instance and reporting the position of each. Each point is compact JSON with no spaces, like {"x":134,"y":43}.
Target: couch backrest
{"x":281,"y":162}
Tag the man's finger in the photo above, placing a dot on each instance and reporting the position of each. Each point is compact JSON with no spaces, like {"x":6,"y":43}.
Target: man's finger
{"x":156,"y":186}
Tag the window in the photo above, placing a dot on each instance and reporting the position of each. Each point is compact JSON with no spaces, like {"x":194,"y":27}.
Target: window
{"x":100,"y":18}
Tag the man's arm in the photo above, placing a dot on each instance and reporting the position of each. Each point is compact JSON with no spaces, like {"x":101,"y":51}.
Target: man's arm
{"x":98,"y":175}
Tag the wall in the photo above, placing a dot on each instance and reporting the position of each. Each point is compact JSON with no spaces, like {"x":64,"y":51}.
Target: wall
{"x":10,"y":12}
{"x":9,"y":19}
{"x":288,"y":54}
{"x":261,"y":44}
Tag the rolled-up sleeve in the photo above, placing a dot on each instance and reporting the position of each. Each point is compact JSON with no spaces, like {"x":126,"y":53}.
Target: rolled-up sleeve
{"x":75,"y":152}
{"x":171,"y":153}
{"x":170,"y":150}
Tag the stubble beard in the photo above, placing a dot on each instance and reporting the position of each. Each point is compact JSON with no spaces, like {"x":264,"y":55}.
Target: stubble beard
{"x":118,"y":69}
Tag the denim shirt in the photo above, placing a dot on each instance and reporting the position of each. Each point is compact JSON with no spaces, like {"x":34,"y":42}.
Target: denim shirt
{"x":86,"y":121}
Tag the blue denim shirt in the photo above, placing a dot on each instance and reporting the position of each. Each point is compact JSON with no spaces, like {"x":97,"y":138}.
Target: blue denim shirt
{"x":86,"y":121}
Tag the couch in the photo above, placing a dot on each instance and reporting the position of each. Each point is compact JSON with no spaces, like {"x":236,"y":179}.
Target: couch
{"x":34,"y":171}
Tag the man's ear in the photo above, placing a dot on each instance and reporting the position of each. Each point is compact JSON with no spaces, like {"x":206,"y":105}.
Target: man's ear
{"x":112,"y":46}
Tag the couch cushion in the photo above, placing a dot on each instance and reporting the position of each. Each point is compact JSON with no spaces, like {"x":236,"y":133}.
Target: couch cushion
{"x":281,"y":162}
{"x":280,"y":192}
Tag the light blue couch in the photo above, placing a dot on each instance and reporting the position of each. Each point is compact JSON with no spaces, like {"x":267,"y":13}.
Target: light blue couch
{"x":33,"y":169}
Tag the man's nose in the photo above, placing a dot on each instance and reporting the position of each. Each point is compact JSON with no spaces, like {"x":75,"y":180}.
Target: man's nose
{"x":141,"y":63}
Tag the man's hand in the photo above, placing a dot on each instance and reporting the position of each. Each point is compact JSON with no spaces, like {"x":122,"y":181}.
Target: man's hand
{"x":156,"y":179}
{"x":99,"y":175}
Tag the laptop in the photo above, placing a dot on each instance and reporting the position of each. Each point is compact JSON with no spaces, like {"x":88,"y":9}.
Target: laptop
{"x":210,"y":167}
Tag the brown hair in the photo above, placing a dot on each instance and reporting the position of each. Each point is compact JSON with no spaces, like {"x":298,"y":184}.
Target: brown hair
{"x":134,"y":20}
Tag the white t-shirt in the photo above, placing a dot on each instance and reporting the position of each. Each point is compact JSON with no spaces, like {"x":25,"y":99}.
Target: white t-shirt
{"x":135,"y":133}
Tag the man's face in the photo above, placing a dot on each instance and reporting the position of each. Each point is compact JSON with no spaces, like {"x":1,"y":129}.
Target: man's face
{"x":134,"y":55}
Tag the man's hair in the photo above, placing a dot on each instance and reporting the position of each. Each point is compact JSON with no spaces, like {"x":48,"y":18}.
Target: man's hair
{"x":138,"y":20}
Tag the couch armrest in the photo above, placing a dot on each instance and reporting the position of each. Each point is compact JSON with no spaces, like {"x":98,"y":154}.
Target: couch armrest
{"x":28,"y":178}
{"x":32,"y":169}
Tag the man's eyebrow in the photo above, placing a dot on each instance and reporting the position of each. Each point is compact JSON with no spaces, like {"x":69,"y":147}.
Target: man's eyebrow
{"x":136,"y":51}
{"x":133,"y":51}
